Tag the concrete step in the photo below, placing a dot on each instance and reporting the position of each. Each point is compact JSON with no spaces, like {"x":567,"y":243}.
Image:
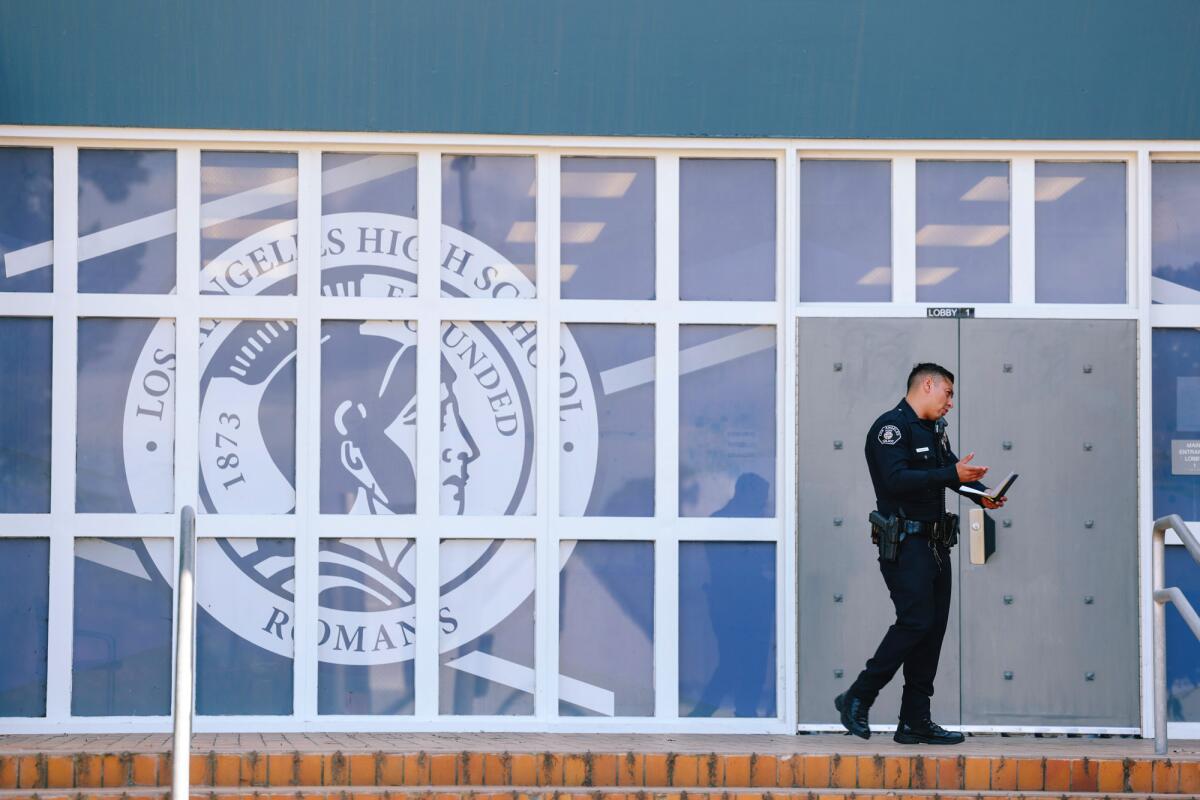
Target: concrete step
{"x":629,"y":773}
{"x":562,"y":793}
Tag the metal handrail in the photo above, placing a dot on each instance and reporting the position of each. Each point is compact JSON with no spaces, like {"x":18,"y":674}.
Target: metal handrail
{"x":185,"y":657}
{"x":1162,"y":596}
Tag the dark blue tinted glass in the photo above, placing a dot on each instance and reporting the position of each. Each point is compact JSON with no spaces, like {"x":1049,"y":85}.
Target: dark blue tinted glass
{"x":727,"y":629}
{"x":25,"y":415}
{"x":24,"y":616}
{"x":127,"y":221}
{"x":26,"y":219}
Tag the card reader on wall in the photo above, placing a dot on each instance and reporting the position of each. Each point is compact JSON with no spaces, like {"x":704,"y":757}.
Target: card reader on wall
{"x":982,"y":535}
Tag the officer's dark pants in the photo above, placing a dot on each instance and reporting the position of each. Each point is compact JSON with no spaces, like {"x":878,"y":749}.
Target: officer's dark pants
{"x":920,"y":590}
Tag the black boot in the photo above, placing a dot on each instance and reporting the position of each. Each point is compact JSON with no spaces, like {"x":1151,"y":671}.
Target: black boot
{"x":925,"y":732}
{"x":854,"y":714}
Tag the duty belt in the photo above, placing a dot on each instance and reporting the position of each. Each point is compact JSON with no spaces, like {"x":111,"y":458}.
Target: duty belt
{"x":940,"y":531}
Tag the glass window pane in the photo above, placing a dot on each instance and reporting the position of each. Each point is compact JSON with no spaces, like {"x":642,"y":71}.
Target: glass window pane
{"x":368,"y":417}
{"x":607,"y":231}
{"x":962,"y":231}
{"x":25,"y":353}
{"x":488,"y":226}
{"x":727,"y":629}
{"x":367,"y":626}
{"x":609,"y":587}
{"x":1183,"y":648}
{"x":121,"y":652}
{"x":248,"y":223}
{"x":369,"y":207}
{"x":487,"y":410}
{"x":606,"y":420}
{"x":726,"y":229}
{"x":1176,"y":390}
{"x":127,"y":221}
{"x":24,"y":618}
{"x":845,"y":231}
{"x":1175,"y":237}
{"x":1080,"y":233}
{"x":245,"y":611}
{"x":26,"y":219}
{"x":247,"y":416}
{"x":486,"y":632}
{"x":125,"y":436}
{"x":726,"y":421}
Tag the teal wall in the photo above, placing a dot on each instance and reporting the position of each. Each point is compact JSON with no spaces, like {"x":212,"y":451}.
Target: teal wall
{"x":835,"y":68}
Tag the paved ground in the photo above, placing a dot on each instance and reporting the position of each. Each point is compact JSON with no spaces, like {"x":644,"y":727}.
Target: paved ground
{"x":587,"y":742}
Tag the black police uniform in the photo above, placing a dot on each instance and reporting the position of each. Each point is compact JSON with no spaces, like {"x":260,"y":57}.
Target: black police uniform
{"x":911,"y":467}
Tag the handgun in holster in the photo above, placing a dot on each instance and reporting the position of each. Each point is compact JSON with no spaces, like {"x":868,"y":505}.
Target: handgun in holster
{"x":885,"y":534}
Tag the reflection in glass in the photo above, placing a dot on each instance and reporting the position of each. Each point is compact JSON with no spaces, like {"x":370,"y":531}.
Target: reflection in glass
{"x":845,"y":231}
{"x":1176,"y":393}
{"x":608,"y":587}
{"x":607,"y":472}
{"x":134,"y":189}
{"x":26,"y":219}
{"x":1183,"y":648}
{"x":607,"y":229}
{"x":247,"y":223}
{"x":368,"y":417}
{"x":488,"y":226}
{"x":245,"y":592}
{"x":486,"y":628}
{"x":488,"y":385}
{"x":726,"y":229}
{"x":1175,"y":220}
{"x":367,"y":626}
{"x":25,"y":424}
{"x":247,"y":416}
{"x":1080,"y":232}
{"x":962,"y":231}
{"x":369,"y":245}
{"x":727,"y":629}
{"x":726,"y":421}
{"x":24,"y":618}
{"x":121,"y":646}
{"x":125,"y":436}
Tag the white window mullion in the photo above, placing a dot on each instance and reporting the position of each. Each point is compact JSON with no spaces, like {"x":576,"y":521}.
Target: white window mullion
{"x":786,"y":398}
{"x":187,"y":347}
{"x":904,"y":230}
{"x":546,"y":438}
{"x":666,"y":449}
{"x":1141,"y":233}
{"x":308,"y":425}
{"x":429,"y":223}
{"x":1022,"y":221}
{"x":62,"y":434}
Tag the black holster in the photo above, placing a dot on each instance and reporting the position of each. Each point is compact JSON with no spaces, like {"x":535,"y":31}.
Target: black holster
{"x":946,"y":531}
{"x":885,"y":534}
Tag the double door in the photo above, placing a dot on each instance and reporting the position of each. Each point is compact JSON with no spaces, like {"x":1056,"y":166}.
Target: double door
{"x":1046,"y":632}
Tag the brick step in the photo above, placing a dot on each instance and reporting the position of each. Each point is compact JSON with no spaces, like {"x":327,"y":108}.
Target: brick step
{"x":630,"y":772}
{"x":563,"y":793}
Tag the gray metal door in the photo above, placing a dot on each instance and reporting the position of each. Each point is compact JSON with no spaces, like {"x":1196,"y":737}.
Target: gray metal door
{"x":850,"y":372}
{"x":1050,"y":624}
{"x":1048,"y":631}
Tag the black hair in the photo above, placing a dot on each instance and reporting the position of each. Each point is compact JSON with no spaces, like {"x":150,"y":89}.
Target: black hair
{"x":928,"y":369}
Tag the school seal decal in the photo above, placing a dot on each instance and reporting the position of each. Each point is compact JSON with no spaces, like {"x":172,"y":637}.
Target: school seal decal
{"x":367,"y":445}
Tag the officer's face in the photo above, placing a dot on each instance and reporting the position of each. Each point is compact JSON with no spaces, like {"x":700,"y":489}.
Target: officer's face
{"x":941,"y":396}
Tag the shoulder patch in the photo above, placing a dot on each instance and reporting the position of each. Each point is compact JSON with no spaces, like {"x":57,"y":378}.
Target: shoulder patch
{"x":889,"y":434}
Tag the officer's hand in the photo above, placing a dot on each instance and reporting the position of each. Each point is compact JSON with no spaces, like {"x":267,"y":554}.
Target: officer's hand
{"x":968,"y":473}
{"x":990,"y":503}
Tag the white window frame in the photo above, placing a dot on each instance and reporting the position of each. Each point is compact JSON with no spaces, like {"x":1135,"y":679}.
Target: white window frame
{"x":187,"y":307}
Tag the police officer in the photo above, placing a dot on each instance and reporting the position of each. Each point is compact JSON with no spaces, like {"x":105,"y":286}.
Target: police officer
{"x":911,"y":465}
